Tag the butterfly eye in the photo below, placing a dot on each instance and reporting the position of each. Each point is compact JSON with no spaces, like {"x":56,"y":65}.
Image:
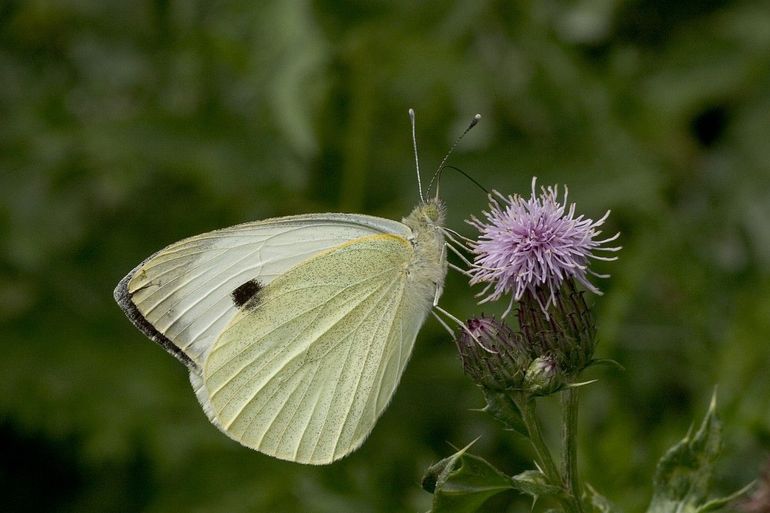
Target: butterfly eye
{"x":431,"y":211}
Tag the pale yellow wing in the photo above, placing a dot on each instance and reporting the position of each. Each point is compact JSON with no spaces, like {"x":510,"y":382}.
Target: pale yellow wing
{"x":184,"y":295}
{"x":305,"y":368}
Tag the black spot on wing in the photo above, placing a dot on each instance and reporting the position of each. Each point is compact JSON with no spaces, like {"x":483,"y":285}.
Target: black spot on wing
{"x":123,"y":298}
{"x":245,"y":292}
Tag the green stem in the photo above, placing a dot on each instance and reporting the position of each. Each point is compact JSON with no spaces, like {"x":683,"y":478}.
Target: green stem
{"x":541,"y":449}
{"x":570,"y":399}
{"x":545,"y":460}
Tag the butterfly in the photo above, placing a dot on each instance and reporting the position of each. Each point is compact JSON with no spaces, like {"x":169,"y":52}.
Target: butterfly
{"x":295,"y":330}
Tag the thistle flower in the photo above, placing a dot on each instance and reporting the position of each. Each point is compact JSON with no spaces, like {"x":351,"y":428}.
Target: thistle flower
{"x":536,"y":243}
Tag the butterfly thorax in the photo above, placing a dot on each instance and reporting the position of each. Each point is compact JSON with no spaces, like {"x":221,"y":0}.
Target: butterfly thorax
{"x":428,"y":267}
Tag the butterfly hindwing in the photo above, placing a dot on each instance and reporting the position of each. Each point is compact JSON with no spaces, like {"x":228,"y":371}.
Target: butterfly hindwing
{"x":307,"y":365}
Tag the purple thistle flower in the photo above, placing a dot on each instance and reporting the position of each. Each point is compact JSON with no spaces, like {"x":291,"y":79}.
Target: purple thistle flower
{"x":535,"y":243}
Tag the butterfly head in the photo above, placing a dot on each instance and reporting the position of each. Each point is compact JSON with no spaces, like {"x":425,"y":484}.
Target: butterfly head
{"x":430,"y":213}
{"x":434,"y":211}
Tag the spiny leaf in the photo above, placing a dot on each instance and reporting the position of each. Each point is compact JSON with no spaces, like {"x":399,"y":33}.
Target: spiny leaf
{"x":683,"y":475}
{"x":462,"y":482}
{"x":715,"y":504}
{"x":534,"y":483}
{"x":505,"y":410}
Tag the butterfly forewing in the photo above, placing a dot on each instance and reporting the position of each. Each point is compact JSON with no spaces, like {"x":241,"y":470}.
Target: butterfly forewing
{"x":186,"y":294}
{"x":305,"y":368}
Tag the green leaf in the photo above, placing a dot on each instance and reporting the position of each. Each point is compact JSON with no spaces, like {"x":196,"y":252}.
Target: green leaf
{"x":505,"y":410}
{"x":462,"y":482}
{"x":681,"y":482}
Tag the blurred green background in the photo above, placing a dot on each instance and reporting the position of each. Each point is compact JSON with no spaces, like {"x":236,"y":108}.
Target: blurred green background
{"x":125,"y":126}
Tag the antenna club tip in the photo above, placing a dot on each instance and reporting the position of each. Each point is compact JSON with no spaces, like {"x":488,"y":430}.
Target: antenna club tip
{"x":411,"y":113}
{"x":477,"y":117}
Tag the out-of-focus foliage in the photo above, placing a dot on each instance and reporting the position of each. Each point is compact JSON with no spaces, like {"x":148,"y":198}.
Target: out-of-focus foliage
{"x":125,"y":126}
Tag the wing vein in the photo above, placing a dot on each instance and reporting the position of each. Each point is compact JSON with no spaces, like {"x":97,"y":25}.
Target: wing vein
{"x":246,"y":271}
{"x":370,"y":345}
{"x":270,"y":361}
{"x":293,"y":374}
{"x":273,"y":298}
{"x":343,"y":368}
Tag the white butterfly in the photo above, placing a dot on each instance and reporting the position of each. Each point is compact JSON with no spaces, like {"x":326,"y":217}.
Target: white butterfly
{"x":295,"y":330}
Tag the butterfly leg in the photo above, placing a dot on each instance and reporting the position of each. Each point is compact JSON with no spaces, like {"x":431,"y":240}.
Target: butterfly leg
{"x":460,"y":323}
{"x":460,"y":270}
{"x":459,"y":254}
{"x":439,"y":288}
{"x":443,"y":323}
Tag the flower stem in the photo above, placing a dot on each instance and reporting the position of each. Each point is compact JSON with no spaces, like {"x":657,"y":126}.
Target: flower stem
{"x":570,"y":399}
{"x":545,"y":460}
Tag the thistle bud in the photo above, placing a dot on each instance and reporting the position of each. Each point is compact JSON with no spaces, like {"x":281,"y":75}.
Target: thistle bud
{"x":492,"y":355}
{"x":565,"y":330}
{"x":543,"y":376}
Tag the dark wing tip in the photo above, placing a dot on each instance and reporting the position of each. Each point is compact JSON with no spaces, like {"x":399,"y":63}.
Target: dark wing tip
{"x":124,"y":299}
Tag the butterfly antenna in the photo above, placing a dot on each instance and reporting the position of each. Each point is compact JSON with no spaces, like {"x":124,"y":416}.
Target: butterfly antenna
{"x":466,"y":175}
{"x":416,"y":158}
{"x":473,"y":123}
